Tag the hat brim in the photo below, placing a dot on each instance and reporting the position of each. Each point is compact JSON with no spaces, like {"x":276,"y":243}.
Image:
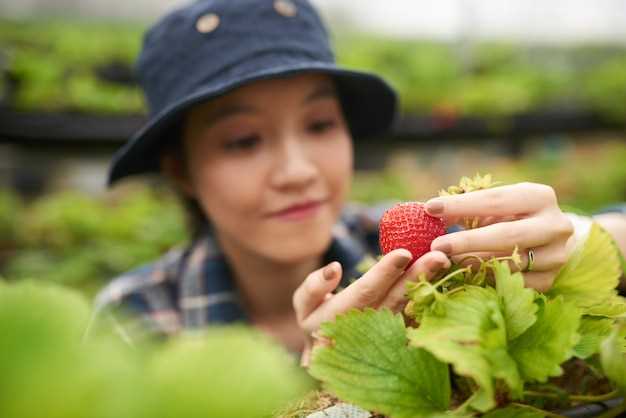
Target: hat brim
{"x":369,"y":105}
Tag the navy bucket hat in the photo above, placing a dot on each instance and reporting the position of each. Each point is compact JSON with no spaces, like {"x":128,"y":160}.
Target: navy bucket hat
{"x":211,"y":47}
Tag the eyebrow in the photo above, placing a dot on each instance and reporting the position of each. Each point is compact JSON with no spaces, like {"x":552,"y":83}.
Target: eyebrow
{"x":324,"y":91}
{"x":228,"y":111}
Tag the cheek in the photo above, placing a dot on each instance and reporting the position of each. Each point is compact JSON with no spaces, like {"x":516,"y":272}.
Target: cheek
{"x":336,"y":165}
{"x":223,"y":195}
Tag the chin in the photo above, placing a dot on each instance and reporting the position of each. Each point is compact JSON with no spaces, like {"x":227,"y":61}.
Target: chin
{"x":299,"y":248}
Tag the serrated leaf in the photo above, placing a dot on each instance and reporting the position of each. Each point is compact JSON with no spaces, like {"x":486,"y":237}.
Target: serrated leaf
{"x":518,"y":302}
{"x":592,"y":331}
{"x":612,"y":307}
{"x":613,"y":356}
{"x":592,"y":273}
{"x":468,"y":331}
{"x":514,"y":411}
{"x":549,"y":342}
{"x":622,"y":259}
{"x":370,"y":364}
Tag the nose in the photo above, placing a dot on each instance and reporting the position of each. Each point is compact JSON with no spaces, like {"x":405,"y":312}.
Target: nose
{"x":294,"y":168}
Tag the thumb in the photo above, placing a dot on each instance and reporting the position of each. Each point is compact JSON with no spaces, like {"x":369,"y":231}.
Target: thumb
{"x":314,"y":289}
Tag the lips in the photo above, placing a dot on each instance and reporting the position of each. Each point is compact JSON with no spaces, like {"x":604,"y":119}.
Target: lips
{"x":298,"y":211}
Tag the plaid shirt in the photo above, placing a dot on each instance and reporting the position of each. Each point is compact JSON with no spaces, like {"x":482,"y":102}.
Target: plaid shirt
{"x":192,"y":287}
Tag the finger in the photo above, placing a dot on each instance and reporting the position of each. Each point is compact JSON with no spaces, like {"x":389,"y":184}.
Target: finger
{"x":504,"y":236}
{"x":550,"y":257}
{"x":305,"y":358}
{"x":312,"y":343}
{"x":517,"y":199}
{"x":430,"y":264}
{"x":541,"y":281}
{"x":479,"y":221}
{"x":369,"y":290}
{"x":490,"y":220}
{"x":474,"y":258}
{"x":315,"y":289}
{"x":546,"y":258}
{"x":434,"y":261}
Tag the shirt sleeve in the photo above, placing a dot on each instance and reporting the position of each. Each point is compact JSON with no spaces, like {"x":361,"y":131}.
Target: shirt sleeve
{"x":140,"y":303}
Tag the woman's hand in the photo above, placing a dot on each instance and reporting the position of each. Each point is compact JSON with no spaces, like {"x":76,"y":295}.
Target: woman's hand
{"x":382,"y":286}
{"x":525,"y":215}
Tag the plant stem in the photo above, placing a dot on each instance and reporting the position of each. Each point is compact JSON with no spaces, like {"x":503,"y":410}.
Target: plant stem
{"x":449,"y":276}
{"x":540,"y":411}
{"x":461,"y":409}
{"x":453,"y":291}
{"x":480,"y":260}
{"x":575,"y":398}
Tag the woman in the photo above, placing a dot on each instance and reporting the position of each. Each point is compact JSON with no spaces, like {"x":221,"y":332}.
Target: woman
{"x":254,"y":123}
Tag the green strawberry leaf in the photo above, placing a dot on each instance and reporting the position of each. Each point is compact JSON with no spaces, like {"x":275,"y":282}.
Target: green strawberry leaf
{"x":514,"y":411}
{"x":592,"y":331}
{"x":622,"y":259}
{"x":370,"y":364}
{"x":467,"y":329}
{"x":549,"y":342}
{"x":518,"y":303}
{"x":590,"y":277}
{"x":613,"y":356}
{"x":612,"y":307}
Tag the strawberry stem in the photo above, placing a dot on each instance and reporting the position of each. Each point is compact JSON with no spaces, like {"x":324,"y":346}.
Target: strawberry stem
{"x":452,"y":275}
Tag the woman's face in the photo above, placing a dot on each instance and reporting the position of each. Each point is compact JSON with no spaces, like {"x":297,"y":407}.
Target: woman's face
{"x":270,"y":164}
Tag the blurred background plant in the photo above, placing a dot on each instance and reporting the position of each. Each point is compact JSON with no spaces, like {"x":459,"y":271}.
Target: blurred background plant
{"x":49,"y":370}
{"x":81,"y":241}
{"x":86,"y":66}
{"x":74,"y":66}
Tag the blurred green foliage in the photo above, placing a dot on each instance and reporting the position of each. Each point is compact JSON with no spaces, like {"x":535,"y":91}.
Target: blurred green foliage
{"x":586,"y":177}
{"x":373,"y":187}
{"x":50,"y":370}
{"x":495,"y":80}
{"x":605,"y":88}
{"x":10,"y":217}
{"x":56,"y":63}
{"x":81,"y":241}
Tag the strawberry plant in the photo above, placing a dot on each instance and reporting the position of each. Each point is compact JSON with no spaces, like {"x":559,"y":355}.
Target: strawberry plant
{"x":477,"y":342}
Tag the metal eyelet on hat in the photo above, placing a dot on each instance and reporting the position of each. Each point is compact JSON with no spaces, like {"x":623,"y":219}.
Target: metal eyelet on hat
{"x":285,"y":8}
{"x":207,"y":23}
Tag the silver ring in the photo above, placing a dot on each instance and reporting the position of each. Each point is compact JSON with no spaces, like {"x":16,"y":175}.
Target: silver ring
{"x":531,"y":262}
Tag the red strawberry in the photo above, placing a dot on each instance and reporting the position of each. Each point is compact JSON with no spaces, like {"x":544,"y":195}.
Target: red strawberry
{"x":407,"y":225}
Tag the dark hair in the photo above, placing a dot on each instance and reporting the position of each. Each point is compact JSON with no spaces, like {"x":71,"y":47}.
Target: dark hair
{"x":197,"y":221}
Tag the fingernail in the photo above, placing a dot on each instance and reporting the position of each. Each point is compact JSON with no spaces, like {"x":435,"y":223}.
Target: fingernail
{"x":434,"y":207}
{"x":329,"y":271}
{"x":402,"y":260}
{"x":436,"y":265}
{"x":445,"y":248}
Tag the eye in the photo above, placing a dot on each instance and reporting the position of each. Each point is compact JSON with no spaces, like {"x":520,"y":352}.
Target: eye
{"x":321,"y":126}
{"x":243,"y":144}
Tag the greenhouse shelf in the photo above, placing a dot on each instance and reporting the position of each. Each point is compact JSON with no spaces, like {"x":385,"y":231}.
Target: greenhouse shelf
{"x":80,"y":128}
